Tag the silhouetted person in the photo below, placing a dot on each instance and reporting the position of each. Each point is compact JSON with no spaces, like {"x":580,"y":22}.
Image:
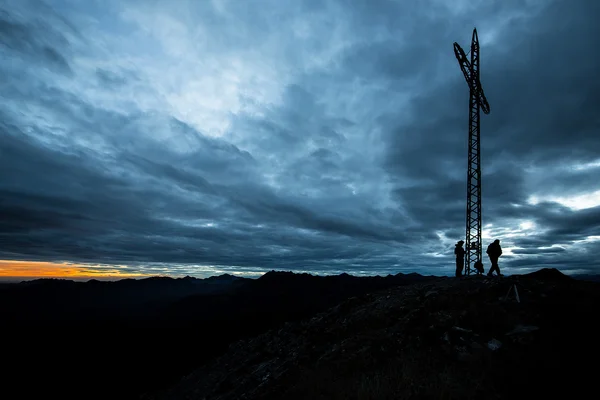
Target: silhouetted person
{"x":460,"y":257}
{"x":494,"y":251}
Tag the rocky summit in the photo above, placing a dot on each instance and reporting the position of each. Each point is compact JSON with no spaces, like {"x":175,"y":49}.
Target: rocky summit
{"x":474,"y":337}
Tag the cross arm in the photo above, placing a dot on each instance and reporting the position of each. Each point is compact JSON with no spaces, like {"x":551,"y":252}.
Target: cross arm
{"x":463,"y":61}
{"x":465,"y":67}
{"x":485,"y":106}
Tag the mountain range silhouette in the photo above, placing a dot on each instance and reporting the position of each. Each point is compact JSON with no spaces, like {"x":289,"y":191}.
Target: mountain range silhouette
{"x":131,"y":337}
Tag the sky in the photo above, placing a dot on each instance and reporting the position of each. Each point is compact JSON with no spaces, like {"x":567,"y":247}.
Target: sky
{"x":201,"y":137}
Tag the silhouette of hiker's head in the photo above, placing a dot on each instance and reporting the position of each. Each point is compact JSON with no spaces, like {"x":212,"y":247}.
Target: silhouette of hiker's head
{"x":497,"y":241}
{"x":460,"y":242}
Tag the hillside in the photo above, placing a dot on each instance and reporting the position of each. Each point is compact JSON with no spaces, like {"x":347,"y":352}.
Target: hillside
{"x":442,"y":339}
{"x":119,"y":339}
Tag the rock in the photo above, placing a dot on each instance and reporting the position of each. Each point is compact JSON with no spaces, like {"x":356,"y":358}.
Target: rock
{"x":459,"y":329}
{"x":519,"y":329}
{"x":446,"y":338}
{"x":462,"y":354}
{"x":443,"y":317}
{"x":476,"y":346}
{"x":494,"y":344}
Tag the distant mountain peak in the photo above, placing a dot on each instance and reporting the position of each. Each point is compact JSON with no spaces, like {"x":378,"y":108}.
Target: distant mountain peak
{"x":276,"y":274}
{"x":223,"y":277}
{"x":548,"y":274}
{"x":48,"y":281}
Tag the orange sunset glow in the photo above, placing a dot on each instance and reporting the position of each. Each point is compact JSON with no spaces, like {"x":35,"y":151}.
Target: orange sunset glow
{"x":41,"y":269}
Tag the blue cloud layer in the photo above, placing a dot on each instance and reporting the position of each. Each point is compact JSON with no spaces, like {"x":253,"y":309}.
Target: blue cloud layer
{"x":313,"y":136}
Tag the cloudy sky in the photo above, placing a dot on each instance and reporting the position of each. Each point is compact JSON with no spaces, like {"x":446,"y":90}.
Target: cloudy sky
{"x":209,"y":136}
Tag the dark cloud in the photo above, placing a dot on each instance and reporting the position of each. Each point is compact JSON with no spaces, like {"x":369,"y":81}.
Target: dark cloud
{"x":341,"y":134}
{"x":37,"y":40}
{"x":545,"y":112}
{"x":110,"y":78}
{"x":539,"y":251}
{"x":83,"y":208}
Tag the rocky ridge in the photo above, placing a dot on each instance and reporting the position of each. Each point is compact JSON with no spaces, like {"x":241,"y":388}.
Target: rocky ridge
{"x":475,"y":337}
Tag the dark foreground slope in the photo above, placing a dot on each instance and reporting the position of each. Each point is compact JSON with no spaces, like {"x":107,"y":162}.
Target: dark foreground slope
{"x":444,"y":339}
{"x":116,"y":340}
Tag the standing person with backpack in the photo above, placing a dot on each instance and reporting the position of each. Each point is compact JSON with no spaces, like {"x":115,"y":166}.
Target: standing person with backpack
{"x":460,"y":257}
{"x":494,"y":251}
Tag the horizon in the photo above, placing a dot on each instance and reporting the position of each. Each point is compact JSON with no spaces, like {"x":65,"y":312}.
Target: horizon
{"x":16,"y":279}
{"x":200,"y":138}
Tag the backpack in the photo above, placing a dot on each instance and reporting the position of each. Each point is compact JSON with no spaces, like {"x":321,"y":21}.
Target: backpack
{"x":478,"y":266}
